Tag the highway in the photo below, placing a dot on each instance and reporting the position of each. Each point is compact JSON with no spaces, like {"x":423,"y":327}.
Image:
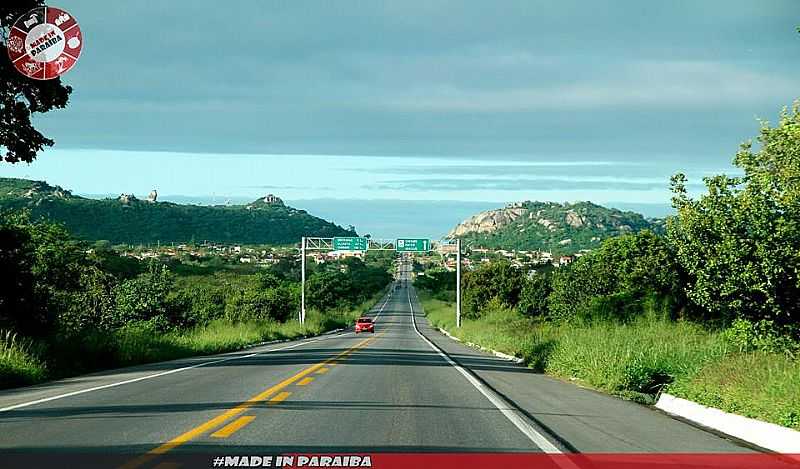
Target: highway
{"x":405,"y":388}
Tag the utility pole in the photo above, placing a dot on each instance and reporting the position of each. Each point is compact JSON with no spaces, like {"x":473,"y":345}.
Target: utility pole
{"x":458,"y":283}
{"x":303,"y":280}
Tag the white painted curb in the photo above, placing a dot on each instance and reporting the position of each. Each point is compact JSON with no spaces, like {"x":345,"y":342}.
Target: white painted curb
{"x":502,"y":355}
{"x":766,"y":435}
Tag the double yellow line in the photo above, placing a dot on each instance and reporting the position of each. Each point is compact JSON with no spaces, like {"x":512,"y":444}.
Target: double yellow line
{"x":233,"y":412}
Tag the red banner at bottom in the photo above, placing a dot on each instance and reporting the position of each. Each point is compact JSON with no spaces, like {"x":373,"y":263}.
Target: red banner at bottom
{"x":234,"y":457}
{"x":541,"y":461}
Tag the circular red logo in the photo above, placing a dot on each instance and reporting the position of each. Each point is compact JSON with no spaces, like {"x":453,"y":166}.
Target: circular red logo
{"x":44,"y":43}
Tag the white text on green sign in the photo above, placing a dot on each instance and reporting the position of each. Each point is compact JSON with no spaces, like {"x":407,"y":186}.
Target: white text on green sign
{"x":413,"y":245}
{"x":350,"y":244}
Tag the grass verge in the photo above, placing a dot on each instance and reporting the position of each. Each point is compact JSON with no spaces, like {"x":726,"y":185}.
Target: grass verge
{"x":24,"y":362}
{"x":19,"y":365}
{"x":637,"y":360}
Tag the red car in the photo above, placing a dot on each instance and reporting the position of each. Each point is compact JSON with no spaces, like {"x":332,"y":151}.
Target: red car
{"x":365,"y":325}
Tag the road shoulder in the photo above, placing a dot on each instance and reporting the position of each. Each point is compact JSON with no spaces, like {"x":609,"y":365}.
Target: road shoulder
{"x":586,"y":420}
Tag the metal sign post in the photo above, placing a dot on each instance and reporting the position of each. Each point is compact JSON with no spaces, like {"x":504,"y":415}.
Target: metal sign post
{"x":303,"y":281}
{"x":458,"y":283}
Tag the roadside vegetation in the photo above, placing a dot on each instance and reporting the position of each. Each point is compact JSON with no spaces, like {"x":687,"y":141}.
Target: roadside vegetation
{"x":69,"y":307}
{"x":709,"y":312}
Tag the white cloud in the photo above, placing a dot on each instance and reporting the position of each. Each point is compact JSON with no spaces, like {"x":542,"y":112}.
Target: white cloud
{"x":643,"y":84}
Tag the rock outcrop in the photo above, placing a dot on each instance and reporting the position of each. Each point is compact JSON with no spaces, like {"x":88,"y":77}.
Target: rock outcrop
{"x":488,"y":221}
{"x":550,"y":226}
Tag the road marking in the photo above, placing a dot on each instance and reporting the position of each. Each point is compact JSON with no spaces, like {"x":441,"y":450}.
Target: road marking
{"x":375,"y":319}
{"x":280,"y":397}
{"x":232,"y":427}
{"x":230,"y":413}
{"x":168,"y":465}
{"x":322,"y":370}
{"x":305,"y":381}
{"x":156,"y":375}
{"x":506,"y":409}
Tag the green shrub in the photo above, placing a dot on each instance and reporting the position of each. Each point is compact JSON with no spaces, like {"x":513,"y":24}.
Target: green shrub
{"x":276,"y":304}
{"x":19,"y":365}
{"x":495,"y":281}
{"x":533,"y":297}
{"x":617,"y":280}
{"x":141,"y":298}
{"x":763,"y":335}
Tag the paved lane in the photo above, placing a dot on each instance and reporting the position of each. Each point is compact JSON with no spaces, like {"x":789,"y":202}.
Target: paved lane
{"x":393,"y":394}
{"x":389,"y":391}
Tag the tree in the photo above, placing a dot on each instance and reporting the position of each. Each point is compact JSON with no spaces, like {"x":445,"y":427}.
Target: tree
{"x":740,"y":242}
{"x":19,"y":308}
{"x":533,"y":297}
{"x":498,"y":280}
{"x":614,"y":281}
{"x":21,"y":96}
{"x":143,"y":298}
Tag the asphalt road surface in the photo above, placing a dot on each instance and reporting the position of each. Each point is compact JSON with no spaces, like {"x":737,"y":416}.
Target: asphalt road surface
{"x":405,"y":388}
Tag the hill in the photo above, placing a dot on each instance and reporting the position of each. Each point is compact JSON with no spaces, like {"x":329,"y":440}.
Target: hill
{"x":130,"y":220}
{"x":550,"y":226}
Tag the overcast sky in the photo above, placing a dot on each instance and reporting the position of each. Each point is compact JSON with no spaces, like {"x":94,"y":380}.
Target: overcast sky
{"x":474,"y":101}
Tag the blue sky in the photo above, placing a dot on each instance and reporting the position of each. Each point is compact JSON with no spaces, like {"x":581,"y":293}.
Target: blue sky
{"x":456,"y":105}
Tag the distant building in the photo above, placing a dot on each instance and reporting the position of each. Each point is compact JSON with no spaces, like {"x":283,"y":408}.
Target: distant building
{"x":565,"y":260}
{"x":126,"y":198}
{"x":272,"y":199}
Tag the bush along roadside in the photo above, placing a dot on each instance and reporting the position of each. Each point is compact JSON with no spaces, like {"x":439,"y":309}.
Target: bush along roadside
{"x":639,"y":359}
{"x":67,"y":307}
{"x":20,"y":363}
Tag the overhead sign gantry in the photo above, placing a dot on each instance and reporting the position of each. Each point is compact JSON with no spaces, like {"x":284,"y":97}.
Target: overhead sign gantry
{"x":357,"y":243}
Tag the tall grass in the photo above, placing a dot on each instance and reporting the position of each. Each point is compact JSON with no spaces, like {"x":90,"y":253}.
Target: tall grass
{"x":500,"y":329}
{"x":756,"y":384}
{"x":19,"y":365}
{"x":639,"y":359}
{"x":141,"y":343}
{"x":635,"y":360}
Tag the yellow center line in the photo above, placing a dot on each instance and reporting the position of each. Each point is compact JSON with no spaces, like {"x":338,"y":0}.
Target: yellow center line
{"x":232,"y":427}
{"x":322,"y":370}
{"x":230,"y":413}
{"x":168,"y":465}
{"x":305,"y":381}
{"x":281,"y":396}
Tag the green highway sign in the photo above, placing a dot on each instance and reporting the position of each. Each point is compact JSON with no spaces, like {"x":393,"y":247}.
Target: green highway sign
{"x":413,"y":245}
{"x":350,"y":244}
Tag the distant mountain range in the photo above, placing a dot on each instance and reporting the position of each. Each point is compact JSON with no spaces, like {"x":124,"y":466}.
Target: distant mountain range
{"x":561,"y":228}
{"x":127,"y":219}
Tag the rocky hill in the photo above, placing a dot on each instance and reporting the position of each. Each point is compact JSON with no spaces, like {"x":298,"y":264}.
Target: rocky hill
{"x":561,"y":228}
{"x":128,"y":219}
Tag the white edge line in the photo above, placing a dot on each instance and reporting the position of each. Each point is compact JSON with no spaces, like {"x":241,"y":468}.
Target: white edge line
{"x":155,"y":375}
{"x":509,"y":412}
{"x":502,"y":355}
{"x":176,"y":370}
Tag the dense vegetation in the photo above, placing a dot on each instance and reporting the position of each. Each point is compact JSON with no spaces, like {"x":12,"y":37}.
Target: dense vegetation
{"x":559,"y":228}
{"x":140,"y":222}
{"x":68,"y":307}
{"x":710,"y":311}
